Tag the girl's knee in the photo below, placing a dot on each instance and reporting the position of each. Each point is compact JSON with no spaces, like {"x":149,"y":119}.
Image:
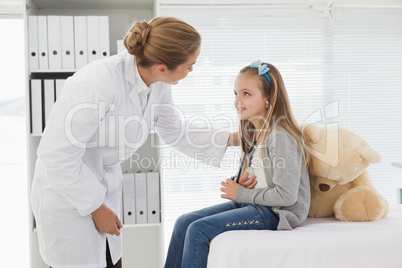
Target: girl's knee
{"x":200,"y":231}
{"x":183,"y":221}
{"x":195,"y":228}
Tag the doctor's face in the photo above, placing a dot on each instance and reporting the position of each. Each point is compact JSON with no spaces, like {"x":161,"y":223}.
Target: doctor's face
{"x":173,"y":77}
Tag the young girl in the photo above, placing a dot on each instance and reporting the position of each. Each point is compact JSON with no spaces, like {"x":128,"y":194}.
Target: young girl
{"x":276,"y":196}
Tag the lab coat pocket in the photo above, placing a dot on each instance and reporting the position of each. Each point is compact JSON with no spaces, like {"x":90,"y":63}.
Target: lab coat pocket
{"x":69,"y":238}
{"x":52,"y":200}
{"x":113,"y":177}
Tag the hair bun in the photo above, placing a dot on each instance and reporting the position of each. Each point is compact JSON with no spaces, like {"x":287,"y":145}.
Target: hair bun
{"x":136,"y":39}
{"x":164,"y":40}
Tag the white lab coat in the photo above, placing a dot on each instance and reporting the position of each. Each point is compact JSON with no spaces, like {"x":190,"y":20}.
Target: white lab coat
{"x":96,"y":124}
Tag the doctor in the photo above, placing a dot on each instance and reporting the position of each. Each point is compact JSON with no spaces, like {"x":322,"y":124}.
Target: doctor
{"x":105,"y":112}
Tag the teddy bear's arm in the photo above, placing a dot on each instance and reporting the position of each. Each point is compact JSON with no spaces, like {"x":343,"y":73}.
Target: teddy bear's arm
{"x":362,"y":180}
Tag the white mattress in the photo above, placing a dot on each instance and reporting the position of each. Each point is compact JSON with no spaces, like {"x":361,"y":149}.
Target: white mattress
{"x":318,"y":243}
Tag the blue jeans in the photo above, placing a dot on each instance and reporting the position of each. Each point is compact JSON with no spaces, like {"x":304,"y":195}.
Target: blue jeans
{"x":192,"y":233}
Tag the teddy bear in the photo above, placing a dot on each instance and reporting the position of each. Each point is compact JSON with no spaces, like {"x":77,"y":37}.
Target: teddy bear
{"x":340,"y":183}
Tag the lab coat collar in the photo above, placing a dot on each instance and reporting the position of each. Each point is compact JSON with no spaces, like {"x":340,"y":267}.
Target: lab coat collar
{"x":129,"y":76}
{"x":140,"y":85}
{"x":129,"y":67}
{"x":131,"y":73}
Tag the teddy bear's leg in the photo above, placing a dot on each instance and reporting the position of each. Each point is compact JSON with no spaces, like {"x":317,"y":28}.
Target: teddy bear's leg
{"x":362,"y":203}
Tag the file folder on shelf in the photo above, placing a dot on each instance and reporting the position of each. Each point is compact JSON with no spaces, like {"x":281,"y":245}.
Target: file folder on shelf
{"x":67,"y":42}
{"x":36,"y":107}
{"x":80,"y":41}
{"x":153,"y":197}
{"x":128,"y":199}
{"x":54,"y":42}
{"x":141,"y":197}
{"x":49,"y":97}
{"x":120,"y":46}
{"x":33,"y":42}
{"x":104,"y":37}
{"x":93,"y":38}
{"x":59,"y":87}
{"x":42,"y":43}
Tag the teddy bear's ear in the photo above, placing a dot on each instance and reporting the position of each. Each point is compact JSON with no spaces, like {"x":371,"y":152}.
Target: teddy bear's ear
{"x":311,"y":133}
{"x":370,"y":155}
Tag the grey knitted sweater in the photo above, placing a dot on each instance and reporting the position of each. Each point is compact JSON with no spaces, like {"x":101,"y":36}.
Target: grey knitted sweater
{"x":288,"y":191}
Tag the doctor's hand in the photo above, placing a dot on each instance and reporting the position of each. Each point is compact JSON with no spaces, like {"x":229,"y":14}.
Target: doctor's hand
{"x":106,"y":221}
{"x":229,"y":189}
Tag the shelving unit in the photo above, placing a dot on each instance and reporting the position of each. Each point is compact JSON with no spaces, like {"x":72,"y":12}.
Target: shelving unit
{"x":142,"y":243}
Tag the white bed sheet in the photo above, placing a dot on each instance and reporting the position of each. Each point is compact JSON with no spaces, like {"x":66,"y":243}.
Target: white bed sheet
{"x":318,"y":243}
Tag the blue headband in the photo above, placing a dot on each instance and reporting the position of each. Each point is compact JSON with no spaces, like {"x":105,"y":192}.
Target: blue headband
{"x":262,"y":69}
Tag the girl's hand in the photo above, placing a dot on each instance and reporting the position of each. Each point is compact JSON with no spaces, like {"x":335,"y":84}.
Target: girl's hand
{"x":229,"y":189}
{"x":106,"y":221}
{"x":249,"y":184}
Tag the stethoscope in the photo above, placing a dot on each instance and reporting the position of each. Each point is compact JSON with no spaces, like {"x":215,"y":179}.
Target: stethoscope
{"x":249,"y":169}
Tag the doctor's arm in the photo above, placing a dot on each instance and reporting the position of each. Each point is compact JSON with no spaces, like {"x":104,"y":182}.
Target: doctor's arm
{"x":203,"y":143}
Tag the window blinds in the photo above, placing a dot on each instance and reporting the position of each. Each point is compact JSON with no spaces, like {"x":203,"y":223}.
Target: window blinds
{"x":347,"y":71}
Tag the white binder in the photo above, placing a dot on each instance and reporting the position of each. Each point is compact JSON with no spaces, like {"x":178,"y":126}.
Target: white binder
{"x":80,"y":40}
{"x":93,"y":38}
{"x":33,"y":42}
{"x":36,"y":107}
{"x":104,"y":37}
{"x":54,"y":42}
{"x":153,"y":197}
{"x":42,"y":43}
{"x":128,"y":199}
{"x":67,"y":42}
{"x":120,"y":46}
{"x":49,"y":97}
{"x":59,"y":87}
{"x":141,"y":197}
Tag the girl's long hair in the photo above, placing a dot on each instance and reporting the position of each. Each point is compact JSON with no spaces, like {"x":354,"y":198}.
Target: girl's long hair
{"x":281,"y":116}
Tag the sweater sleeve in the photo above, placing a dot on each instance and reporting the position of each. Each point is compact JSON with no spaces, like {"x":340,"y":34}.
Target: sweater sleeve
{"x":286,"y":164}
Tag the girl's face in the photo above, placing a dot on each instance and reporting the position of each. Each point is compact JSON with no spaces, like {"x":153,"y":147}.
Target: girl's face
{"x":249,"y":102}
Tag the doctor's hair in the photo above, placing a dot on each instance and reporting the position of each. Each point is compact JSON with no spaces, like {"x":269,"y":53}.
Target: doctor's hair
{"x":281,"y":116}
{"x":164,"y":40}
